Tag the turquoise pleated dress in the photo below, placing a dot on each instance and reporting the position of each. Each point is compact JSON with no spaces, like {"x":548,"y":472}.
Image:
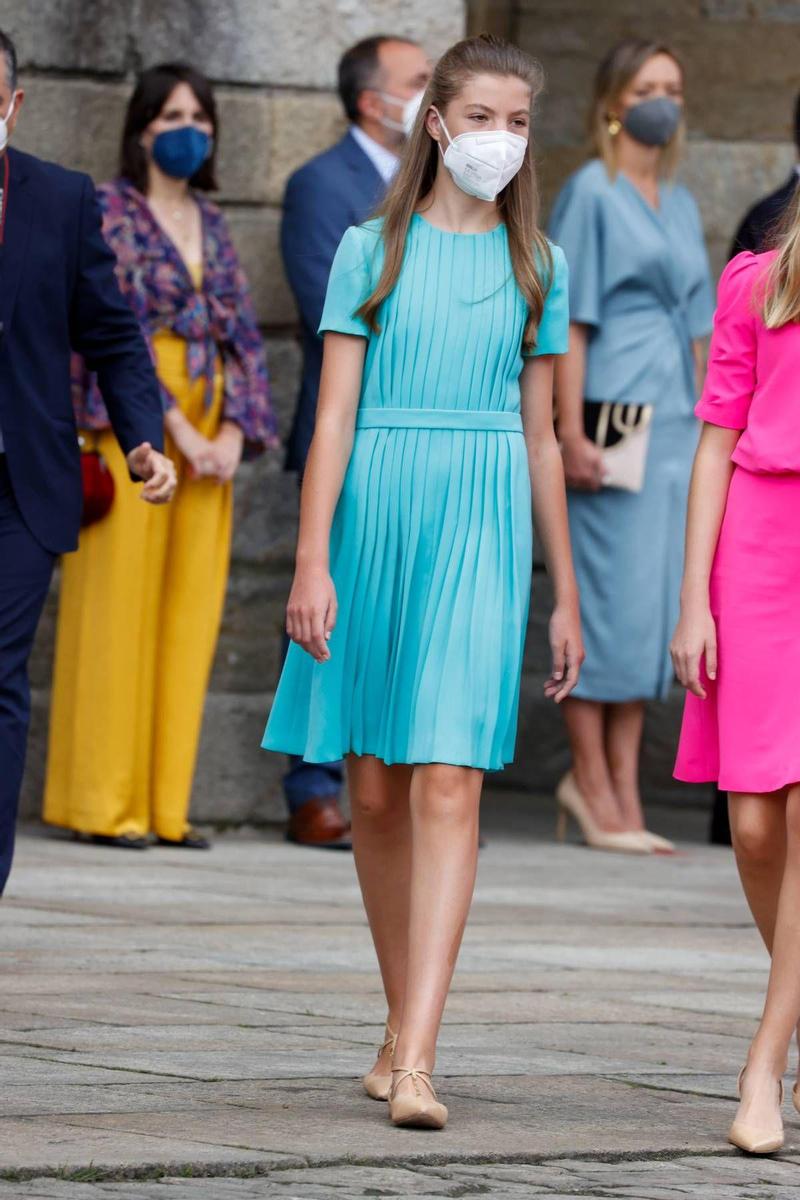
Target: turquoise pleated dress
{"x":431,"y":539}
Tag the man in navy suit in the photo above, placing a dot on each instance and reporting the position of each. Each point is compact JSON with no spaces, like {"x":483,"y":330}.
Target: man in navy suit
{"x":381,"y":81}
{"x":58,"y":292}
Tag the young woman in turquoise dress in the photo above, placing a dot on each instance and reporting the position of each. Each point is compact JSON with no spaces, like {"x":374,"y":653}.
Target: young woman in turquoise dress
{"x":410,"y":598}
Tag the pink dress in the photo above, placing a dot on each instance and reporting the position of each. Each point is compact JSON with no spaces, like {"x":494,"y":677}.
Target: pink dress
{"x":746,"y":735}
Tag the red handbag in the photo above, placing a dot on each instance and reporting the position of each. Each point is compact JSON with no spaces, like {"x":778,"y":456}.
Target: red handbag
{"x":98,"y":486}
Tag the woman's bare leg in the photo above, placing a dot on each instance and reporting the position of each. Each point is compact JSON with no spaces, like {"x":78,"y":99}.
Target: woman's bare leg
{"x":767,"y":1058}
{"x":623,"y":741}
{"x":585,"y":722}
{"x":445,"y":803}
{"x":381,"y":825}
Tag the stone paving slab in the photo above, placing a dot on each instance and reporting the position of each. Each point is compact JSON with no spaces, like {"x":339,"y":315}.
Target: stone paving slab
{"x":205,"y":1040}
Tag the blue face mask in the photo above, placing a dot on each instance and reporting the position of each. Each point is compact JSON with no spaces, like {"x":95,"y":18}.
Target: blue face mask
{"x":182,"y":152}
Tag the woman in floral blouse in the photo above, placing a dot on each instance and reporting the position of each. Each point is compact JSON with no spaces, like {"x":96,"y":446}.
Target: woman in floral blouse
{"x":142,"y":599}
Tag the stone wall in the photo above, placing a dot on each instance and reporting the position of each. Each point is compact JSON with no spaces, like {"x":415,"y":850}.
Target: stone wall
{"x":274,"y":63}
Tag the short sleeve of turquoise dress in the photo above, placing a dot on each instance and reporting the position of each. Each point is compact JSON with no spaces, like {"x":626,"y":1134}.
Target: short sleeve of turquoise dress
{"x":552,"y":336}
{"x":348,"y":286}
{"x":430,"y":547}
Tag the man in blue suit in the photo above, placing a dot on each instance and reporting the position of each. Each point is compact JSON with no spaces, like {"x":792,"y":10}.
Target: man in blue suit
{"x":58,"y":292}
{"x":381,"y":81}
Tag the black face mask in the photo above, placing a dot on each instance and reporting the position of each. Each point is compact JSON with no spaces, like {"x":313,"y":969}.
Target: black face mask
{"x":653,"y":122}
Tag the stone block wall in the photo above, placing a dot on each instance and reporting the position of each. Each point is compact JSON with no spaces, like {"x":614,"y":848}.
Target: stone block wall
{"x":274,"y":64}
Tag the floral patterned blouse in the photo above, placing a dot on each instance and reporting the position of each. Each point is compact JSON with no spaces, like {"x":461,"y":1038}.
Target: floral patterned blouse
{"x":216,"y":320}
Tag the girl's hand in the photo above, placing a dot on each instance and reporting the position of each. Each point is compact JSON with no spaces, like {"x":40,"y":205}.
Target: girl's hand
{"x":228,"y":446}
{"x":566,"y":644}
{"x":695,"y":637}
{"x":199,"y":452}
{"x":583,"y":463}
{"x":311,"y":611}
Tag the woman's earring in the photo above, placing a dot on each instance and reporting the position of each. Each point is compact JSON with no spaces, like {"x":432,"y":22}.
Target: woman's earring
{"x":614,"y":126}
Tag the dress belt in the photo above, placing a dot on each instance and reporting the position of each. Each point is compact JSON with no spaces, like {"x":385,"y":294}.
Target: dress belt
{"x":438,"y":418}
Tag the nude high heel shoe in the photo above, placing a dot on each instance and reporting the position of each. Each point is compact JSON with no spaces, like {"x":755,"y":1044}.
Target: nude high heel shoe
{"x":751,"y":1138}
{"x":660,"y":845}
{"x":572,"y":804}
{"x":418,"y":1109}
{"x":376,"y":1085}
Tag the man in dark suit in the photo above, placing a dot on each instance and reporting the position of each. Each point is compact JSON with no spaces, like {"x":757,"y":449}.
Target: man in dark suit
{"x":381,"y":81}
{"x":58,"y":292}
{"x":762,"y":220}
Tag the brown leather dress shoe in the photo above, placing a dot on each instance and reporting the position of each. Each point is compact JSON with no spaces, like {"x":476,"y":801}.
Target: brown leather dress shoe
{"x":319,"y":822}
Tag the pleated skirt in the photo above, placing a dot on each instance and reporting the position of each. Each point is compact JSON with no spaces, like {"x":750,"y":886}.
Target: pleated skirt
{"x":746,"y":734}
{"x":431,"y":560}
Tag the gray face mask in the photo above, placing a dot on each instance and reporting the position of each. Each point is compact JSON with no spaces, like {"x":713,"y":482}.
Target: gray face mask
{"x":653,"y":122}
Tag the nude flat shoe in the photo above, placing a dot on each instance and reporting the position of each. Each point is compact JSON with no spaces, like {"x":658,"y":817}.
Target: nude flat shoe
{"x":376,"y":1084}
{"x":754,"y":1139}
{"x":572,"y":804}
{"x":417,"y":1110}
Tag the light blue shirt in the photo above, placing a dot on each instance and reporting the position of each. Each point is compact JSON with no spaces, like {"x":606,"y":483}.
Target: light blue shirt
{"x":383,"y":160}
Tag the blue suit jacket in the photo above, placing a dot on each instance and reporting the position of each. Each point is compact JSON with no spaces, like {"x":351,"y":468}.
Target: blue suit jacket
{"x":58,"y":292}
{"x":328,"y":194}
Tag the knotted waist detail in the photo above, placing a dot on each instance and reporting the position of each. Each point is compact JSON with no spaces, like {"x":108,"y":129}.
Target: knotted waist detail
{"x":438,"y":418}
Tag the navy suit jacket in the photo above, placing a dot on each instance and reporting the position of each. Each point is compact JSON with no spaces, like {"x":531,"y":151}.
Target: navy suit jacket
{"x":760,"y":223}
{"x":58,"y":292}
{"x":336,"y":189}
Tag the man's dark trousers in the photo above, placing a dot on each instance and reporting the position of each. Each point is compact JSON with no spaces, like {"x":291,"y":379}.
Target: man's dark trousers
{"x":24,"y":581}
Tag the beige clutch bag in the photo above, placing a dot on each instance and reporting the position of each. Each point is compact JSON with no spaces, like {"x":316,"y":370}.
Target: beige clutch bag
{"x":622,"y":432}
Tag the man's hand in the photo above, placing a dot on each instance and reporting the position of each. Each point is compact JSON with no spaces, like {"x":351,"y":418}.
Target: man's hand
{"x":157,"y":471}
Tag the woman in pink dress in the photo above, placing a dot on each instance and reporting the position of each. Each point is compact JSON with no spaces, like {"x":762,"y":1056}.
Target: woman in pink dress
{"x":737,"y":645}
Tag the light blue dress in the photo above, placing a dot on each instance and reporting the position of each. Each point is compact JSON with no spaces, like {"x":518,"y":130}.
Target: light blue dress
{"x":431,"y":539}
{"x":639,"y":279}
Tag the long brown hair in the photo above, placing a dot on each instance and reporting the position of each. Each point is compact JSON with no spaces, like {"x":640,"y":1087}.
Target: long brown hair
{"x":518,"y":203}
{"x":781,"y":300}
{"x":614,"y":74}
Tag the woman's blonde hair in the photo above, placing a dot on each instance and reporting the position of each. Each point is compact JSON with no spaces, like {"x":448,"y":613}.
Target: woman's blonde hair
{"x":781,"y":301}
{"x":517,"y":204}
{"x":621,"y":65}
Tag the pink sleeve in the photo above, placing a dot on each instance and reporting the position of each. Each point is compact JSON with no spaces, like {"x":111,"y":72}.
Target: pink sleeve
{"x":731,"y":375}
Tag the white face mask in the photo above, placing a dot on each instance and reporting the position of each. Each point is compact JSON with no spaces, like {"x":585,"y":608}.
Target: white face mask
{"x":483,"y":163}
{"x":4,"y":134}
{"x":410,"y":109}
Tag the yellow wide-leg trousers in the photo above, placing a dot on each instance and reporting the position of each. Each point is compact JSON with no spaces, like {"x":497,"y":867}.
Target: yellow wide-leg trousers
{"x":141,"y":603}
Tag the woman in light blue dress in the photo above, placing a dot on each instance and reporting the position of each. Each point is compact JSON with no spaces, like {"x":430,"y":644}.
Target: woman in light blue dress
{"x":409,"y":605}
{"x":640,"y":300}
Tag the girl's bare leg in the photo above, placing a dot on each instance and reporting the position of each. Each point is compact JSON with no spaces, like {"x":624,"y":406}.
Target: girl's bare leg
{"x":768,"y":1052}
{"x":445,"y":802}
{"x":381,"y":825}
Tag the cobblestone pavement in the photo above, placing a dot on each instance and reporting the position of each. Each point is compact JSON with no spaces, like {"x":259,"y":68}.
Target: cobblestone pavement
{"x":182,"y":1025}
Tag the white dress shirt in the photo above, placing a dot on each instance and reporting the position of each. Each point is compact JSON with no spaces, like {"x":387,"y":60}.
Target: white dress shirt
{"x":383,"y":160}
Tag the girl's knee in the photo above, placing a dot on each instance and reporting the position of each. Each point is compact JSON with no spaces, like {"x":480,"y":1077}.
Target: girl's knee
{"x":756,"y":838}
{"x":447,"y":792}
